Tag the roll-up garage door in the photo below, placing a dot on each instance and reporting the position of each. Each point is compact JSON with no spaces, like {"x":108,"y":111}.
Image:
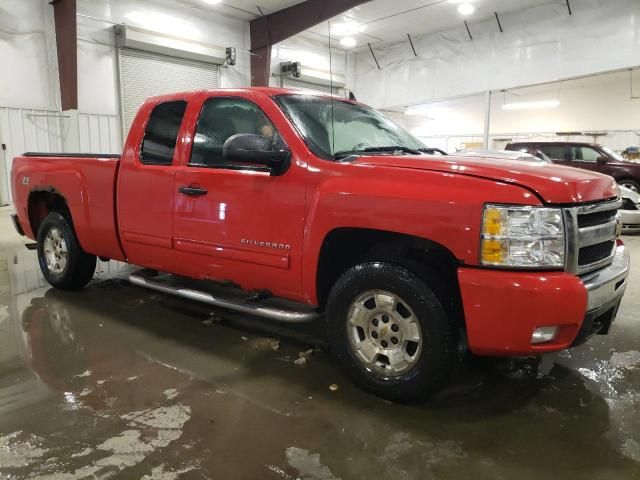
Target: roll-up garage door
{"x":145,"y":74}
{"x":289,"y":82}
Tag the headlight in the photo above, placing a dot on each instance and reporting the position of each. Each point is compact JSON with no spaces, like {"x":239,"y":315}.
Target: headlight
{"x":522,"y":237}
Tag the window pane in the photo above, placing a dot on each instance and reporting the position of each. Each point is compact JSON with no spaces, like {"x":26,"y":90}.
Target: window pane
{"x":588,"y":154}
{"x":356,"y":126}
{"x":556,"y":152}
{"x":222,"y":118}
{"x":161,"y":134}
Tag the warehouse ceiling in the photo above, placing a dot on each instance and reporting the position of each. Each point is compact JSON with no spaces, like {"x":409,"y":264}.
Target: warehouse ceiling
{"x":244,"y":9}
{"x":378,"y":21}
{"x":390,"y":21}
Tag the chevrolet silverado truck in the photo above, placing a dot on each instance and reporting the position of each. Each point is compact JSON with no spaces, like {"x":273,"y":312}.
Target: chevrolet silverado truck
{"x":299,"y":207}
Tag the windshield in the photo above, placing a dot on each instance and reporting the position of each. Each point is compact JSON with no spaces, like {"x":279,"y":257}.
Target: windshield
{"x":613,"y":154}
{"x":355,"y":128}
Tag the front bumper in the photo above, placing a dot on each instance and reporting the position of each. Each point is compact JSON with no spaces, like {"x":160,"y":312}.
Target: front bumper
{"x":503,"y":308}
{"x":630,"y":221}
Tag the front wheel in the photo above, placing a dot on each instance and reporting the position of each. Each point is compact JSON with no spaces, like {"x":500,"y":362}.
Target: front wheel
{"x":391,"y":332}
{"x":62,"y":261}
{"x":631,"y":185}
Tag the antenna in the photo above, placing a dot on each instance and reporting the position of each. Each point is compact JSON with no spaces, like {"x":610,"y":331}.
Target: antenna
{"x":333,"y":125}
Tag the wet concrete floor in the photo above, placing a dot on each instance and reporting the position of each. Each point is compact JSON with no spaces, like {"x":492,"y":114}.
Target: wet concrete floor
{"x":119,"y":382}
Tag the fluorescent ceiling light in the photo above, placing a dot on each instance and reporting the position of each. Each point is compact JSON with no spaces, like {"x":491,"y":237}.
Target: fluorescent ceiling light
{"x":212,"y":2}
{"x":466,"y":9}
{"x":348,"y":42}
{"x":540,"y":105}
{"x":346,"y":28}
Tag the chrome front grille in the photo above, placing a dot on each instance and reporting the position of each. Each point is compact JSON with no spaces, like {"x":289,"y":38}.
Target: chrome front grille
{"x":591,"y":236}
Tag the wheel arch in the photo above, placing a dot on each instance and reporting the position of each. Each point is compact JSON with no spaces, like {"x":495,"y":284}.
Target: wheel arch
{"x":43,"y":201}
{"x":343,"y":248}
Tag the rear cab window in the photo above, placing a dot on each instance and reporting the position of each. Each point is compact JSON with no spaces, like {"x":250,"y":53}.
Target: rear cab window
{"x":161,"y":134}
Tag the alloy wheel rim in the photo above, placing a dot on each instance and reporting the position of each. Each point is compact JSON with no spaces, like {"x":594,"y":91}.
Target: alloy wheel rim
{"x":55,"y":251}
{"x":630,"y":186}
{"x":384,"y":333}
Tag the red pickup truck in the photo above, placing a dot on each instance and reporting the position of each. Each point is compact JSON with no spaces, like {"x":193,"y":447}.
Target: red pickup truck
{"x":299,"y":207}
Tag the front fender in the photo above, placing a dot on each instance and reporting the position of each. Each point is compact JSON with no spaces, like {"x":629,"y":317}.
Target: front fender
{"x":442,"y":207}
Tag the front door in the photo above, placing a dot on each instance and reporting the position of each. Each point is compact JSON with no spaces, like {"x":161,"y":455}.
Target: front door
{"x":584,"y":157}
{"x":235,"y":221}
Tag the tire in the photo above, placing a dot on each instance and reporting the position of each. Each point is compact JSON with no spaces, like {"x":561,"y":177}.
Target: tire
{"x":630,"y":184}
{"x":67,"y":271}
{"x":424,"y":366}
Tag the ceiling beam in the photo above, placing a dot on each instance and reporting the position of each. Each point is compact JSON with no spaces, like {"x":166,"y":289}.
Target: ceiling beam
{"x":64,"y":12}
{"x":270,"y":29}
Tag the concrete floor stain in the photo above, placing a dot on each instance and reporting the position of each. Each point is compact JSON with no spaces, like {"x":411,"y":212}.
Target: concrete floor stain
{"x":118,"y":382}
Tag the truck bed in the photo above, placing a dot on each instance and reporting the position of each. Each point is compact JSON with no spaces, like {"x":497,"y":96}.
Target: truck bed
{"x":71,"y":155}
{"x":88,"y":183}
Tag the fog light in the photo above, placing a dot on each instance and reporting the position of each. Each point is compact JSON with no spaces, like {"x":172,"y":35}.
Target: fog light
{"x":544,"y":334}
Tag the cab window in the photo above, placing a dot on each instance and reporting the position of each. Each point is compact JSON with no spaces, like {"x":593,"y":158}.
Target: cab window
{"x":223,"y":117}
{"x":161,"y":134}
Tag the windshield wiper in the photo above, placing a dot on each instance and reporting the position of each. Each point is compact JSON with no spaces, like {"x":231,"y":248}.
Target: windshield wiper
{"x":431,"y":151}
{"x":391,"y":148}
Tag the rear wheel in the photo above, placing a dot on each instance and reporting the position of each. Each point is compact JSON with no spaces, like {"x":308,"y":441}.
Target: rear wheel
{"x":391,"y":332}
{"x":62,"y":262}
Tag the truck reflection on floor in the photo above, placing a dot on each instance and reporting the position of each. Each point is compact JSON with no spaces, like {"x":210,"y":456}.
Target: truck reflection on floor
{"x":115,"y":349}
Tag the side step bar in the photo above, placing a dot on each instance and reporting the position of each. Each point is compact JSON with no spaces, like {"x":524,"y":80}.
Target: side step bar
{"x":238,"y":304}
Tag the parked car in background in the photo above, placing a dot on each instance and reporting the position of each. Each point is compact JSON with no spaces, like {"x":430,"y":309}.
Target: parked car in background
{"x":504,"y":154}
{"x":630,"y":210}
{"x":589,"y":156}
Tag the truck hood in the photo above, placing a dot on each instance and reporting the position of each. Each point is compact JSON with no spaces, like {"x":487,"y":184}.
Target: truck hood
{"x":552,"y":183}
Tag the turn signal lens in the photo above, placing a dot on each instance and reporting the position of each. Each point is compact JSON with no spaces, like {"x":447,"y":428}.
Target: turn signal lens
{"x":495,"y":221}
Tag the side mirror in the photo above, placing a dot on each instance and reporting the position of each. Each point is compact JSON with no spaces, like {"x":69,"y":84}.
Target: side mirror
{"x":257,"y":150}
{"x":602,"y":160}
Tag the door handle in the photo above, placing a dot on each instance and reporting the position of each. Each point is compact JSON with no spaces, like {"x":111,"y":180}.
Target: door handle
{"x":193,"y":191}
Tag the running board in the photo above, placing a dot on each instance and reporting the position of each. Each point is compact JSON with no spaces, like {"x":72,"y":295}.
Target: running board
{"x":232,"y":302}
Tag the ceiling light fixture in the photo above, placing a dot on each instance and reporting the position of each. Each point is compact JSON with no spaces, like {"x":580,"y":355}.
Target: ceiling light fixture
{"x":466,"y":9}
{"x":212,"y":2}
{"x":539,"y":105}
{"x":348,"y":42}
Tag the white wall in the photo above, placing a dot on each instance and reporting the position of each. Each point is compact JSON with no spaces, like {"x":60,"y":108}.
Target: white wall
{"x":599,"y":103}
{"x":97,"y":74}
{"x":29,"y":77}
{"x":314,"y":56}
{"x":23,"y":130}
{"x":538,"y":45}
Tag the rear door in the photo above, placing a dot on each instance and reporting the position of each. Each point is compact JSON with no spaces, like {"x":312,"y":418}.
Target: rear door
{"x":235,"y":221}
{"x":558,"y":152}
{"x":145,"y":183}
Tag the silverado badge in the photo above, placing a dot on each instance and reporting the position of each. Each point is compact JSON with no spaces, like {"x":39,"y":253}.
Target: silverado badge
{"x":261,"y":244}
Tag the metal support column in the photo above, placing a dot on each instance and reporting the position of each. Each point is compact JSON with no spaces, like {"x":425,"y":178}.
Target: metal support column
{"x":487,"y":119}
